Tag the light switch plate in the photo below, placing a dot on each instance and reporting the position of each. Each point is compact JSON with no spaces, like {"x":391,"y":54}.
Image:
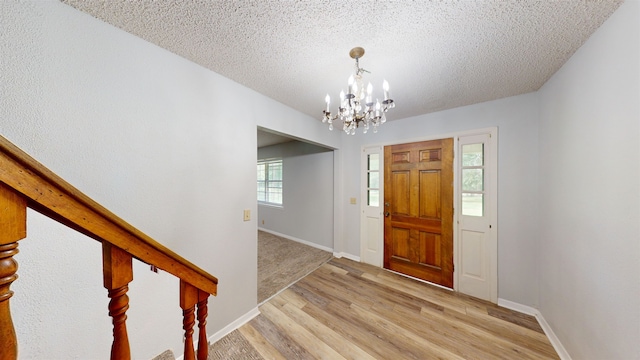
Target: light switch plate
{"x":247,"y":215}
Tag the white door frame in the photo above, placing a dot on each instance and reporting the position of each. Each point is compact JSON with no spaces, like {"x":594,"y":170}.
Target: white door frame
{"x":371,"y":232}
{"x":480,"y":279}
{"x":493,"y":152}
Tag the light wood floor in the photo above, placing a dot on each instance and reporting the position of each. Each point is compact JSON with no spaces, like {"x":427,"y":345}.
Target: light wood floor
{"x":351,"y":310}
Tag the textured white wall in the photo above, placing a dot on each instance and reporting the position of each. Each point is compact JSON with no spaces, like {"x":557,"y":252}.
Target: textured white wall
{"x":516,"y":119}
{"x":307,"y":213}
{"x":589,"y":196}
{"x":167,"y":145}
{"x":170,"y":147}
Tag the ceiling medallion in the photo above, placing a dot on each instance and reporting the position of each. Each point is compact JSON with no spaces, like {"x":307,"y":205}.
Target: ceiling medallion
{"x":356,"y":108}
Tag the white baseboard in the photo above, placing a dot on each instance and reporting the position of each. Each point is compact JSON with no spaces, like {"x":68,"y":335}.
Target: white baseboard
{"x":234,"y":325}
{"x":518,"y":307}
{"x":553,"y":339}
{"x":347,"y":256}
{"x":227,"y":329}
{"x":562,"y":352}
{"x":321,"y":247}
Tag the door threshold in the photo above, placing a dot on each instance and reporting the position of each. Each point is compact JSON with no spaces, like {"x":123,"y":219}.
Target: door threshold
{"x":420,"y":280}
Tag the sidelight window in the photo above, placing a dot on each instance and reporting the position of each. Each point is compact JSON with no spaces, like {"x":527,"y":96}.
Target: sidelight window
{"x":473,"y":191}
{"x":373,"y":180}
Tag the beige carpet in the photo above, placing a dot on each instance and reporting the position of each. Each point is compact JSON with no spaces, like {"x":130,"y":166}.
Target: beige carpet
{"x":233,"y":346}
{"x":281,"y":262}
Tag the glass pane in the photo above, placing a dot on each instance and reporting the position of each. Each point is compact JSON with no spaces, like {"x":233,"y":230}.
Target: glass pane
{"x":374,"y":162}
{"x":374,"y":180}
{"x":373,"y":198}
{"x":275,"y":171}
{"x":261,"y":191}
{"x":275,"y":186}
{"x":472,"y":180}
{"x":473,"y":155}
{"x":275,"y":195}
{"x":473,"y":204}
{"x":260,"y":171}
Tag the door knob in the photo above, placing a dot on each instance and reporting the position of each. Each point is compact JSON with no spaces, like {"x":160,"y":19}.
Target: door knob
{"x":386,"y":214}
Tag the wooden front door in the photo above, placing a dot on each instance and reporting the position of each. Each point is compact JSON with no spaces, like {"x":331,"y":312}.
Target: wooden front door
{"x":418,"y":199}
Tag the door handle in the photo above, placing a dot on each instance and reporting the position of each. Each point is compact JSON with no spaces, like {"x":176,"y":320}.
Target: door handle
{"x":386,"y":214}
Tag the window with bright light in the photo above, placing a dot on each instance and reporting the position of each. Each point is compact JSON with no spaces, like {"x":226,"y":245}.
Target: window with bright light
{"x":373,"y":180}
{"x":270,"y":182}
{"x":473,"y":179}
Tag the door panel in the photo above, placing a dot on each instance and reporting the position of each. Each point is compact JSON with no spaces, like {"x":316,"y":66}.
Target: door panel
{"x":400,"y":186}
{"x":401,"y":244}
{"x":473,"y":252}
{"x":418,"y":225}
{"x":371,"y":226}
{"x":430,"y":244}
{"x":430,"y":199}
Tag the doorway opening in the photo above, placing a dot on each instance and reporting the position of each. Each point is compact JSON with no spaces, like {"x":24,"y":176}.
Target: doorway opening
{"x":295,"y":221}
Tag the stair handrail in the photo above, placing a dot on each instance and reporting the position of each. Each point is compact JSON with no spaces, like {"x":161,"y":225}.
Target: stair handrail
{"x":23,"y":180}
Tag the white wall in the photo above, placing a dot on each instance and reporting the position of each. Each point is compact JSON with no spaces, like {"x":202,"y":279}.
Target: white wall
{"x":516,"y":119}
{"x":165,"y":144}
{"x":589,"y":196}
{"x":307,"y":211}
{"x":170,"y":147}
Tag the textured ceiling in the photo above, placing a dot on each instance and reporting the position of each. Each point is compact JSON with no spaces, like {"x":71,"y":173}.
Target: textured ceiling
{"x":435,"y":54}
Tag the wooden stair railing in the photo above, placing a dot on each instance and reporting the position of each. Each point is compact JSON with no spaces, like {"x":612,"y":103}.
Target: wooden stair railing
{"x":26,"y":183}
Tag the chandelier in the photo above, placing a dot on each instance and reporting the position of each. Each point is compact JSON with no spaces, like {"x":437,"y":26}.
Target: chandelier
{"x":356,"y":108}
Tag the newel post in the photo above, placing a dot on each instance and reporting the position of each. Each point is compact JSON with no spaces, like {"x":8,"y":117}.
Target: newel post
{"x":118,"y":273}
{"x":13,"y":227}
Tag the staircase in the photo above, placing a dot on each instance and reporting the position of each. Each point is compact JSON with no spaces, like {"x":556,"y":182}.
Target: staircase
{"x":25,"y":183}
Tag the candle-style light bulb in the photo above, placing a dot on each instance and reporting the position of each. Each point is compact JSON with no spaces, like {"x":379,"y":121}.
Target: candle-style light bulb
{"x":385,"y":87}
{"x":350,"y":82}
{"x":368,"y":101}
{"x":328,"y":100}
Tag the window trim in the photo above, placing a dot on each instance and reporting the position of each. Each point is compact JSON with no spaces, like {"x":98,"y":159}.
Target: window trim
{"x":266,"y":163}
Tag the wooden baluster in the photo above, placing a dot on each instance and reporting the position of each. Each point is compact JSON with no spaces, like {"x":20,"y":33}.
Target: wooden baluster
{"x":188,"y":300}
{"x":203,"y":344}
{"x":13,"y":227}
{"x":118,"y":273}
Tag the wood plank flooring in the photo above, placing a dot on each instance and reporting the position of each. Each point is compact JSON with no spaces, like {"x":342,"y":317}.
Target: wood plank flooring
{"x":349,"y":310}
